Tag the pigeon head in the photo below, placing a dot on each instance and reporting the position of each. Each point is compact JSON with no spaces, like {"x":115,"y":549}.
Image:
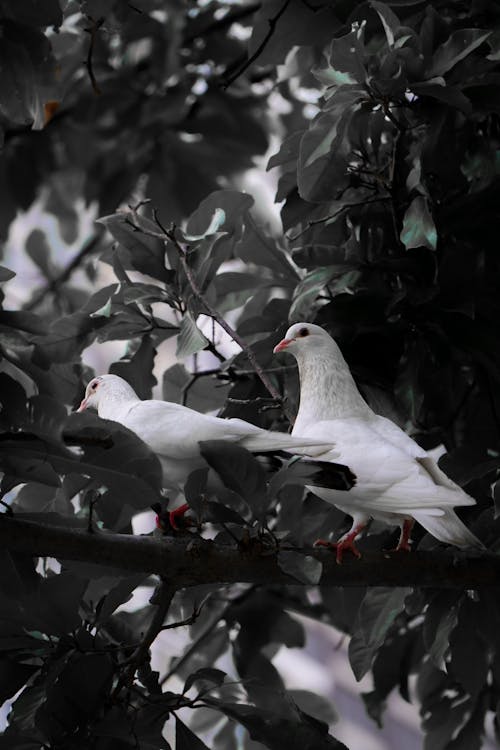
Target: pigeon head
{"x":302,"y":338}
{"x":105,"y":387}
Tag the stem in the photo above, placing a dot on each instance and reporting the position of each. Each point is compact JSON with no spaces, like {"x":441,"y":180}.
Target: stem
{"x":168,"y":235}
{"x":272,"y":25}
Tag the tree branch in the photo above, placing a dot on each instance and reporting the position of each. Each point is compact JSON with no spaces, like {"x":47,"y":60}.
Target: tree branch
{"x":92,"y":30}
{"x":191,"y":561}
{"x":272,"y":25}
{"x":54,"y":285}
{"x":163,"y":598}
{"x":168,"y":235}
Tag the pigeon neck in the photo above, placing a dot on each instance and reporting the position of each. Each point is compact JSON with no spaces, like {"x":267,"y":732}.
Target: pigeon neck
{"x":118,"y":398}
{"x":328,"y":390}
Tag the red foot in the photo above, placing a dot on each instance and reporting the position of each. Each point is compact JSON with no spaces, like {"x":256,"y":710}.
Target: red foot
{"x":173,"y":517}
{"x":404,"y":544}
{"x":340,"y":547}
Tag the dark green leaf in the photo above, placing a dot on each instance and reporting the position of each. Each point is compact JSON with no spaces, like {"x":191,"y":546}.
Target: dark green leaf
{"x":13,"y":676}
{"x":185,"y":739}
{"x":460,"y":44}
{"x":419,"y":229}
{"x":204,"y":393}
{"x":6,"y":274}
{"x":33,"y":13}
{"x":377,"y":613}
{"x":138,"y":250}
{"x":190,"y":339}
{"x":210,"y":675}
{"x":117,"y":595}
{"x":239,"y":471}
{"x":138,"y":369}
{"x":294,"y":730}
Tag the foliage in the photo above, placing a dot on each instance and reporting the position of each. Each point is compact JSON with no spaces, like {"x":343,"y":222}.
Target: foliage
{"x":389,"y":183}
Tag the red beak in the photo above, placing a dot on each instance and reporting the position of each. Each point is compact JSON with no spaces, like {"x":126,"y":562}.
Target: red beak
{"x":83,"y":405}
{"x":282,"y":345}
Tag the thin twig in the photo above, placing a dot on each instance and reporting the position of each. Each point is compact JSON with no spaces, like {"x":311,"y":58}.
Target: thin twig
{"x":169,"y":235}
{"x":206,"y":633}
{"x":140,"y":655}
{"x":272,"y":25}
{"x":313,"y":222}
{"x":92,"y":30}
{"x":53,"y":286}
{"x":222,"y":23}
{"x":229,"y":330}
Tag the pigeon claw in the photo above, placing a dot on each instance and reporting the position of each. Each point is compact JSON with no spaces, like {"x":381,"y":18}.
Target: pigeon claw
{"x":340,"y":547}
{"x":176,"y":515}
{"x":404,"y":544}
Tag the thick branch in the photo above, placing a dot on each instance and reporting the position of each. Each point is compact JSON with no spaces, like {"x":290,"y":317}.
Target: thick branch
{"x":190,"y":561}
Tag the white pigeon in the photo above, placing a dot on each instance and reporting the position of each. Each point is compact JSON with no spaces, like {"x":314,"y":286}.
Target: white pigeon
{"x":397,"y":481}
{"x":174,"y":432}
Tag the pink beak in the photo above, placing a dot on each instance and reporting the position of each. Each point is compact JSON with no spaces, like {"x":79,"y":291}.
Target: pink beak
{"x":282,"y":345}
{"x":83,"y":405}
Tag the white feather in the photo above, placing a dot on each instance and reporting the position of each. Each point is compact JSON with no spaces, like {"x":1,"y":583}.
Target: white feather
{"x":174,"y":432}
{"x":396,"y":479}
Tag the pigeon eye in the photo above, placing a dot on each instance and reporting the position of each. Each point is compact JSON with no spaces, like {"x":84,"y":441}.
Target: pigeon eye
{"x":93,"y":386}
{"x":304,"y":332}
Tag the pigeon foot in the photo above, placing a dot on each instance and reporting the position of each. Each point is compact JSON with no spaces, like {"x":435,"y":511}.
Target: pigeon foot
{"x":404,"y":544}
{"x":340,"y":546}
{"x":177,"y":514}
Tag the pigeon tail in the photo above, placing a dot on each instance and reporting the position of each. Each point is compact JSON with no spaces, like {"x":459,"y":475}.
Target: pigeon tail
{"x":449,"y":529}
{"x":272,"y":441}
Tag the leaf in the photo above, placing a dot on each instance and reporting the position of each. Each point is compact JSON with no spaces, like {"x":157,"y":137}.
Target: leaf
{"x":78,"y":693}
{"x":390,"y":21}
{"x":258,"y":248}
{"x":314,"y":705}
{"x":296,"y":26}
{"x":206,"y":674}
{"x":57,"y":601}
{"x":418,"y":226}
{"x":232,"y":203}
{"x":325,"y":149}
{"x":38,"y":250}
{"x":376,"y":615}
{"x":13,"y":676}
{"x":6,"y":274}
{"x":302,"y":567}
{"x":138,"y":369}
{"x":288,"y":152}
{"x":346,"y":61}
{"x":216,"y":222}
{"x":295,"y":730}
{"x":304,"y":471}
{"x":451,"y":95}
{"x":308,"y":290}
{"x":239,"y":471}
{"x":139,"y":251}
{"x":469,"y":662}
{"x":185,"y":739}
{"x":205,"y":393}
{"x":32,"y":12}
{"x":459,"y":44}
{"x":234,"y":289}
{"x":119,"y":459}
{"x":190,"y":339}
{"x":116,"y":596}
{"x":28,"y":75}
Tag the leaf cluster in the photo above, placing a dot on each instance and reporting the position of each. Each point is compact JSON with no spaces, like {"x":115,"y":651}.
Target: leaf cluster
{"x":388,"y":180}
